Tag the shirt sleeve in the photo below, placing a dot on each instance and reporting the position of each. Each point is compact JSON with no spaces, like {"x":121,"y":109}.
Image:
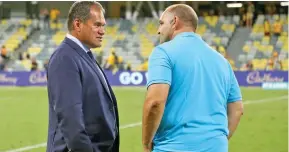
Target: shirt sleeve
{"x":160,"y":68}
{"x":234,"y":91}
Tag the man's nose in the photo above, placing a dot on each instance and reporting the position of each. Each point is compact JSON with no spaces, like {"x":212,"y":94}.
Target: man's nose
{"x":101,"y":31}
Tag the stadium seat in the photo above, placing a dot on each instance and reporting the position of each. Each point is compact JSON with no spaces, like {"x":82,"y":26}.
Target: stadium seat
{"x":266,"y":39}
{"x":33,"y":51}
{"x":284,"y":64}
{"x":217,"y":40}
{"x":256,"y":44}
{"x":4,"y":22}
{"x":213,"y":47}
{"x":134,"y":28}
{"x":242,"y":58}
{"x":27,"y":64}
{"x":201,"y":29}
{"x":246,"y":48}
{"x":221,"y":49}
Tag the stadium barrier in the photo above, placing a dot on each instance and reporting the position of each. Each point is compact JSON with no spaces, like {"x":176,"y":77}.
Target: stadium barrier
{"x":125,"y":78}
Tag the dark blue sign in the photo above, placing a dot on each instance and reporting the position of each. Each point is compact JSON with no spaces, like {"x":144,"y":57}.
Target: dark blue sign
{"x":124,"y":78}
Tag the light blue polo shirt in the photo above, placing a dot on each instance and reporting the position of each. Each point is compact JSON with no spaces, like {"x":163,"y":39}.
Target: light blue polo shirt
{"x":202,"y":83}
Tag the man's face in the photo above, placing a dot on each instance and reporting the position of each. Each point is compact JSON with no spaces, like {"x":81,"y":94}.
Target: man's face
{"x":92,"y":30}
{"x":166,"y":30}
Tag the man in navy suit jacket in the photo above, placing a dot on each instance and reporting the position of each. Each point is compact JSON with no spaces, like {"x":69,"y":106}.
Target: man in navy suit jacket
{"x":83,"y":115}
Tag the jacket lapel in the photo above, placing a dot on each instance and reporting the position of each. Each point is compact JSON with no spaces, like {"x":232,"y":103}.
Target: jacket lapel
{"x":86,"y":57}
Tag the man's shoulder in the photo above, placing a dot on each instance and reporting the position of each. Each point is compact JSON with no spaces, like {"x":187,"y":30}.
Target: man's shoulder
{"x":166,"y":46}
{"x":169,"y":46}
{"x":62,"y":51}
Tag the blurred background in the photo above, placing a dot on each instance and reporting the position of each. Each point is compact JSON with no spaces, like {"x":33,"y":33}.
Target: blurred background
{"x":252,"y":36}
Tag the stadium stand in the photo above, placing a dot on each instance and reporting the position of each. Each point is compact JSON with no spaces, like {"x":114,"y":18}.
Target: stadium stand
{"x":264,"y":45}
{"x":128,"y":43}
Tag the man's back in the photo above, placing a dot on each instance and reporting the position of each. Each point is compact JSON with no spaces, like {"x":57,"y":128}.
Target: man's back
{"x":195,"y":116}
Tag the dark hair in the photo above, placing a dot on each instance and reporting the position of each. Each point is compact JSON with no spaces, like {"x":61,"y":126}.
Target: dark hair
{"x":81,"y":10}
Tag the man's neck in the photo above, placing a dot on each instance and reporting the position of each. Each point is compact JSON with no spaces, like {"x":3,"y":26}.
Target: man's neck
{"x":77,"y":37}
{"x":185,"y":29}
{"x":74,"y":35}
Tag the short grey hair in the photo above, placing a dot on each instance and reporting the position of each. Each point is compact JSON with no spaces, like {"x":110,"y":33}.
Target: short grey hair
{"x":186,"y":13}
{"x":81,"y":10}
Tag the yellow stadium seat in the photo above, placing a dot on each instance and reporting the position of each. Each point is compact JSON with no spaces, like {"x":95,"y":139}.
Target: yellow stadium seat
{"x":224,"y":27}
{"x":60,"y":33}
{"x":11,"y":46}
{"x":151,"y":28}
{"x":22,"y":22}
{"x":258,"y":28}
{"x":27,"y":64}
{"x":262,"y":48}
{"x":211,"y":20}
{"x":256,"y":43}
{"x":201,"y":29}
{"x":146,"y":46}
{"x":284,"y":65}
{"x":59,"y":25}
{"x":270,"y":48}
{"x":214,"y":47}
{"x":217,"y":40}
{"x":221,"y":49}
{"x":262,"y":66}
{"x":121,"y":37}
{"x":28,"y":22}
{"x":233,"y":27}
{"x":58,"y":37}
{"x":97,"y":49}
{"x":111,"y":30}
{"x":255,"y":61}
{"x":53,"y":26}
{"x":246,"y":48}
{"x":283,"y":38}
{"x":12,"y":41}
{"x":34,"y":50}
{"x":285,"y":46}
{"x":266,"y":39}
{"x":4,"y":22}
{"x":255,"y":30}
{"x":134,"y":28}
{"x":284,"y":34}
{"x":259,"y":64}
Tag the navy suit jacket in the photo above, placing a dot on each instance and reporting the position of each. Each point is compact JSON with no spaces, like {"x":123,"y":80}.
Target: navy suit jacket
{"x":83,"y":117}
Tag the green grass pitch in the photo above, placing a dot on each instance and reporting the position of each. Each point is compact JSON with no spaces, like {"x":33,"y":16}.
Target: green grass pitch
{"x":24,"y":115}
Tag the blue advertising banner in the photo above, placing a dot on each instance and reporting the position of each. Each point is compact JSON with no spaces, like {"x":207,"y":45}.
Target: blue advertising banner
{"x":124,"y":78}
{"x":257,"y":78}
{"x":23,"y":79}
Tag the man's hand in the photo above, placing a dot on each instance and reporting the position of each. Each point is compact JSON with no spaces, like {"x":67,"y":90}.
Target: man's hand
{"x":235,"y":111}
{"x":148,"y":148}
{"x":153,"y":111}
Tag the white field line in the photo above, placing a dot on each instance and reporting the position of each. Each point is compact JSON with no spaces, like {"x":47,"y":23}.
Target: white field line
{"x":139,"y":123}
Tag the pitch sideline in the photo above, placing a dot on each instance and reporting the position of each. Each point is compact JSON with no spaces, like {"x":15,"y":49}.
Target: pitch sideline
{"x":139,"y":123}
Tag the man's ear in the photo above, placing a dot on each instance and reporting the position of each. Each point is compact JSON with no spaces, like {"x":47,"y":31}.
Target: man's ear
{"x":77,"y":25}
{"x":175,"y":22}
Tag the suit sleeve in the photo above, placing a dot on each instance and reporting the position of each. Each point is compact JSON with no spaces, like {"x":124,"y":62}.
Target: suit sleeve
{"x":66,"y":88}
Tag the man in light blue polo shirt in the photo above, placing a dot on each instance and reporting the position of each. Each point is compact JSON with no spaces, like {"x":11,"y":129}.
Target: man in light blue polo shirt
{"x":193,"y":101}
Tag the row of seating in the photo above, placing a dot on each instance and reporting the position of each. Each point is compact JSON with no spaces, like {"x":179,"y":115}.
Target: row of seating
{"x":135,"y":40}
{"x":260,"y":48}
{"x":21,"y":33}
